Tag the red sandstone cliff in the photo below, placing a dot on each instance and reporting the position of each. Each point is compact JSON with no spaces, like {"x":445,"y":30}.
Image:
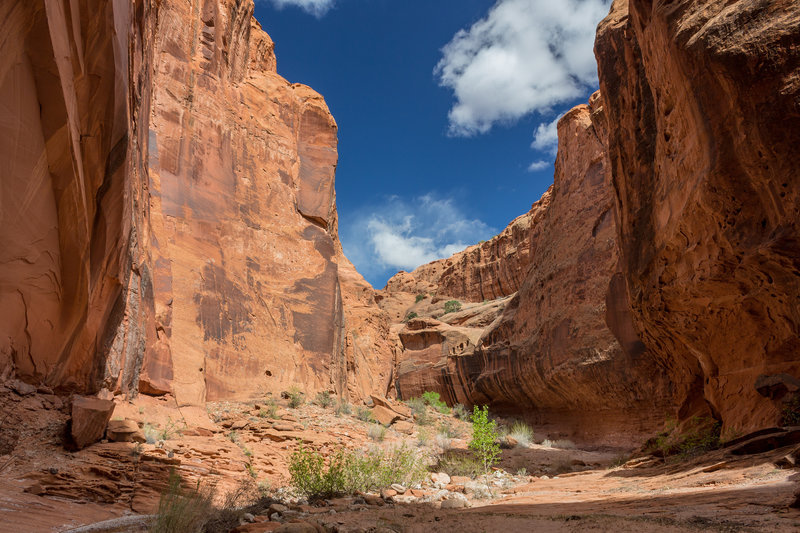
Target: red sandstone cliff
{"x":169,"y":216}
{"x":703,"y":113}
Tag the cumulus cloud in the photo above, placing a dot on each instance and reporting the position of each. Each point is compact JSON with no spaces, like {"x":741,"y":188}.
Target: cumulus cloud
{"x":545,"y":138}
{"x":401,"y":235}
{"x":538,"y":165}
{"x":315,"y":7}
{"x":525,"y":56}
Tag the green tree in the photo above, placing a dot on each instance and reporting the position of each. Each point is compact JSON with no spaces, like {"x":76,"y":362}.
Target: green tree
{"x":484,"y":437}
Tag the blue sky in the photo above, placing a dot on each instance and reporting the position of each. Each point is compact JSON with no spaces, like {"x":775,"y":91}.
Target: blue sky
{"x":446,"y":111}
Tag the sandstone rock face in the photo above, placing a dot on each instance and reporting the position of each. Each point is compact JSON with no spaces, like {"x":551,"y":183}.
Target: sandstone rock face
{"x":168,"y":217}
{"x":703,"y":108}
{"x":486,"y":271}
{"x":73,"y":138}
{"x":563,"y":349}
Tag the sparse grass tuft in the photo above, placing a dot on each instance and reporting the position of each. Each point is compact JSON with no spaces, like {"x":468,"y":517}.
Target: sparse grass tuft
{"x":562,"y":444}
{"x":458,"y":463}
{"x":460,"y":412}
{"x":324,"y":399}
{"x":410,"y":315}
{"x":183,"y":510}
{"x":419,"y":298}
{"x":364,"y":414}
{"x":376,"y":432}
{"x":343,"y":408}
{"x":522,"y":433}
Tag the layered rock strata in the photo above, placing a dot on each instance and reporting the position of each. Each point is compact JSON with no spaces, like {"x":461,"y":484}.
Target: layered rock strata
{"x":703,"y":113}
{"x":169,"y":215}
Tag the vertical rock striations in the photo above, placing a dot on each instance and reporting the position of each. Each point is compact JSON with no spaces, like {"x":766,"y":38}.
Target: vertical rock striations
{"x":74,"y":81}
{"x":703,"y":113}
{"x":168,"y":212}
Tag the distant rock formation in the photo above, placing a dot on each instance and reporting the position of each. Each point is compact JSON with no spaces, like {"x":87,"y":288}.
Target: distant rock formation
{"x":561,"y":347}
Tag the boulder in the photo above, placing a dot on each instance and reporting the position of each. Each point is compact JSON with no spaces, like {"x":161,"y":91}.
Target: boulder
{"x":89,"y":420}
{"x":384,"y":416}
{"x":124,"y":431}
{"x":398,"y":408}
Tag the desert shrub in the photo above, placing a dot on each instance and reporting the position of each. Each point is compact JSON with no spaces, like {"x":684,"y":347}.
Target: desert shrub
{"x":460,"y":412}
{"x":432,"y":398}
{"x":296,"y":397}
{"x":419,"y":298}
{"x":703,"y":436}
{"x":451,"y":306}
{"x":448,"y":431}
{"x":790,"y":414}
{"x":324,"y":399}
{"x":343,"y":408}
{"x":376,"y":432}
{"x":182,"y":510}
{"x":233,"y":436}
{"x":484,"y":437}
{"x":348,"y":472}
{"x":417,"y":405}
{"x":270,"y":409}
{"x":423,"y":437}
{"x":364,"y":414}
{"x":522,"y":433}
{"x":409,"y":316}
{"x":443,"y":441}
{"x":458,"y":463}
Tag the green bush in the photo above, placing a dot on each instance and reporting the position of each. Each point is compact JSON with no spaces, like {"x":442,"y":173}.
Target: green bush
{"x":410,"y":315}
{"x":790,"y":414}
{"x":324,"y":399}
{"x":432,"y":399}
{"x":183,"y":510}
{"x":353,"y":471}
{"x":484,"y":437}
{"x":419,"y":298}
{"x":451,"y":306}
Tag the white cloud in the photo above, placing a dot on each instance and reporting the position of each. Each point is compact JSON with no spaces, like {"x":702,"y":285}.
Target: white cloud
{"x":538,"y":165}
{"x":315,"y":7}
{"x":402,"y":235}
{"x":545,"y":138}
{"x":525,"y":56}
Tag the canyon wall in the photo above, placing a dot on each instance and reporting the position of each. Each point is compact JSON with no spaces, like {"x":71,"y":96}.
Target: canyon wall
{"x":703,"y":113}
{"x":562,"y":348}
{"x":73,"y":138}
{"x":169,"y":220}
